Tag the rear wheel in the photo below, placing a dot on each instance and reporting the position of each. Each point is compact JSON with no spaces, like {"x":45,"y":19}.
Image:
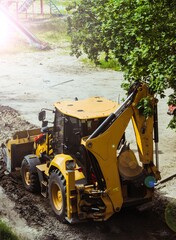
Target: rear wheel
{"x":57,"y":194}
{"x":29,"y":176}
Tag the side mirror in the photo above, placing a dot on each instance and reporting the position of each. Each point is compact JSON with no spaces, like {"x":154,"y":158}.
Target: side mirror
{"x":44,"y":124}
{"x":42,"y":115}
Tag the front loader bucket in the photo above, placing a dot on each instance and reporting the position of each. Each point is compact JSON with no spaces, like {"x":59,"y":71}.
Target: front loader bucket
{"x":20,"y":145}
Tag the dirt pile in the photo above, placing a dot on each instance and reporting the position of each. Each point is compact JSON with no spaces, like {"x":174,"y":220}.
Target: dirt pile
{"x":10,"y":122}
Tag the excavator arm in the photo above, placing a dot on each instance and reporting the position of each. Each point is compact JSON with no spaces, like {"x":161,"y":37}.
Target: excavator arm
{"x":103,"y":144}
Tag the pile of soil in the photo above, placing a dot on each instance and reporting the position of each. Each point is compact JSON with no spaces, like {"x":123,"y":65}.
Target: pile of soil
{"x":11,"y":122}
{"x":31,"y":217}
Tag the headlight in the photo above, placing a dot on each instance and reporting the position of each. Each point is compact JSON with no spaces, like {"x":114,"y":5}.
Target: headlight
{"x":70,"y":165}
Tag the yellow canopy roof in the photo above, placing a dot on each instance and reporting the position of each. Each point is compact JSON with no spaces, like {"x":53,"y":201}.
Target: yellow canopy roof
{"x":94,"y":107}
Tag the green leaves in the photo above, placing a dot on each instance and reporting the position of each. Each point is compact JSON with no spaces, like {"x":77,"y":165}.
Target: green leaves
{"x":140,"y":34}
{"x":145,"y":107}
{"x":172,"y":123}
{"x":6,"y":232}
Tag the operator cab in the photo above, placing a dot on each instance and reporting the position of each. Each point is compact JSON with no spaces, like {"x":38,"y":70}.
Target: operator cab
{"x":74,"y":120}
{"x":78,"y":119}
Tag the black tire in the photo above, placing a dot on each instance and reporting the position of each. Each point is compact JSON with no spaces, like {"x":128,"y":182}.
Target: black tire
{"x":30,"y":177}
{"x":57,"y":194}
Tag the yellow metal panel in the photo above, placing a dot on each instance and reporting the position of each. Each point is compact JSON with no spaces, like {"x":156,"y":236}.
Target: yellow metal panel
{"x":26,"y":133}
{"x":42,"y":167}
{"x":94,"y":107}
{"x":59,"y":162}
{"x":104,"y":148}
{"x":143,"y":128}
{"x":70,"y":185}
{"x":145,"y":140}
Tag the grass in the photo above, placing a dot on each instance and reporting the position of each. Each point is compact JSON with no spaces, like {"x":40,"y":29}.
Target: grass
{"x":6,"y":232}
{"x":111,"y":64}
{"x":53,"y":32}
{"x":62,"y":4}
{"x":56,"y":26}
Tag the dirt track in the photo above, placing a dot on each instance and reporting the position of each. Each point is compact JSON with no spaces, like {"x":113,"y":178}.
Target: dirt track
{"x":32,"y":80}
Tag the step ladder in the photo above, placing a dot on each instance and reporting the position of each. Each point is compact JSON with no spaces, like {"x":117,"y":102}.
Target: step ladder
{"x":54,"y":10}
{"x":44,"y":189}
{"x":25,"y":5}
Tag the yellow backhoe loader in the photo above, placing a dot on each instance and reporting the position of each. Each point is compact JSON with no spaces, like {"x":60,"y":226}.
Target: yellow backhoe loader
{"x":83,"y":161}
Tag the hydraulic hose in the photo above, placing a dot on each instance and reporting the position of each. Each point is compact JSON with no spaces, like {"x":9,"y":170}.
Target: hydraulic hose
{"x":156,"y":134}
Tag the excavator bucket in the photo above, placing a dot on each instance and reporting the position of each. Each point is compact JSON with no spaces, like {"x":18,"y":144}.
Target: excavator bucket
{"x":20,"y":145}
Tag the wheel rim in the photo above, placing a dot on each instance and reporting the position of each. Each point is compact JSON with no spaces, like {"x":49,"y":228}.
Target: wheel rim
{"x":57,"y":197}
{"x":27,"y":177}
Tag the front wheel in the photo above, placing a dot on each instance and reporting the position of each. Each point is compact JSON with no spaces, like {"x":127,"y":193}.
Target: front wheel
{"x":29,"y":176}
{"x":57,"y":194}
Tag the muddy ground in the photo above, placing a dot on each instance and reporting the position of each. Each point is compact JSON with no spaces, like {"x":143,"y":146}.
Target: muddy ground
{"x":32,"y":80}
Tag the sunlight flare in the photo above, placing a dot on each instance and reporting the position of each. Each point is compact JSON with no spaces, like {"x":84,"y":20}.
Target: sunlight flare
{"x":4,"y":29}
